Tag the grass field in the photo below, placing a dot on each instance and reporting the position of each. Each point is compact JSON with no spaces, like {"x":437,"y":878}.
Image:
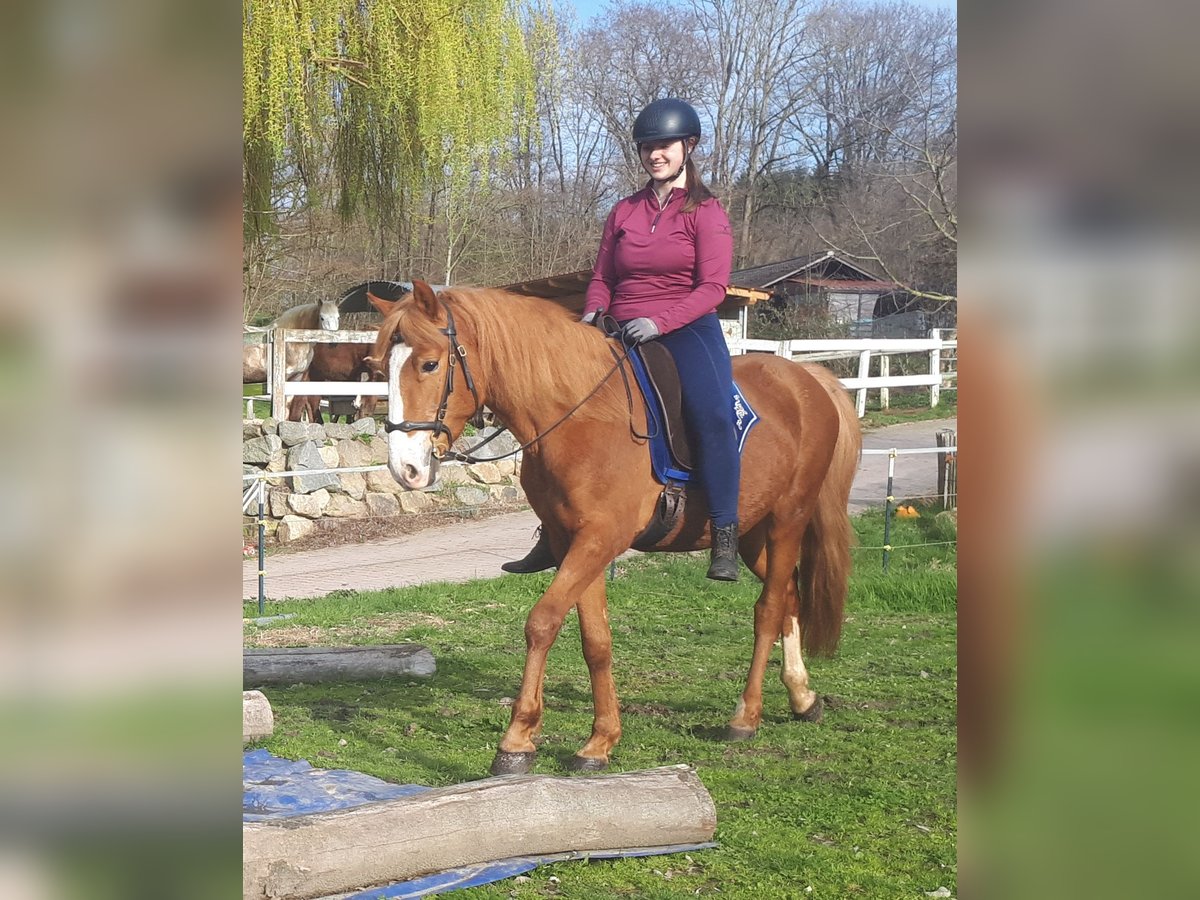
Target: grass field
{"x":862,"y":805}
{"x":908,"y":405}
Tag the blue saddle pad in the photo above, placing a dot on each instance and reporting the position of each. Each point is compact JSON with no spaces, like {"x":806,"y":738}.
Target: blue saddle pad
{"x":661,"y":459}
{"x":274,"y":788}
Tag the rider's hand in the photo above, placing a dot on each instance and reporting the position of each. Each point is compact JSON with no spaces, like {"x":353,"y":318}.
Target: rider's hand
{"x":638,"y":331}
{"x":589,"y":318}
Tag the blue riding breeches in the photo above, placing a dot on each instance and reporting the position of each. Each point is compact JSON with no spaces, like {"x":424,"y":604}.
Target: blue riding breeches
{"x":706,"y":383}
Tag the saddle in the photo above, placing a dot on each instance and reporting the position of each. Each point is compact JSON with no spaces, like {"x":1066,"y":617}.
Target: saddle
{"x":670,"y":453}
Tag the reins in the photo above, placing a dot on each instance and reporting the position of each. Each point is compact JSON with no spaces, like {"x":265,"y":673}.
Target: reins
{"x":619,"y":364}
{"x":458,"y":356}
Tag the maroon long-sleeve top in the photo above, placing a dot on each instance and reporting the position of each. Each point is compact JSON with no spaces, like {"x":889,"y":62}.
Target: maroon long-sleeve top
{"x":662,"y":263}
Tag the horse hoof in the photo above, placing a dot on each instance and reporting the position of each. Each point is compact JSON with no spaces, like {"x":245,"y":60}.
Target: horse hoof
{"x":587,"y":764}
{"x":737,"y":733}
{"x":513,"y":763}
{"x":814,"y":713}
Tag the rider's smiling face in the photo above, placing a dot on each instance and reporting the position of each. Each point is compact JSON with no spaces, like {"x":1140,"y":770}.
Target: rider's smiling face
{"x":662,"y":160}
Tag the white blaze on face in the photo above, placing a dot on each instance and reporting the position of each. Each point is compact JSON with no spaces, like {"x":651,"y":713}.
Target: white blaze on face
{"x":410,"y":454}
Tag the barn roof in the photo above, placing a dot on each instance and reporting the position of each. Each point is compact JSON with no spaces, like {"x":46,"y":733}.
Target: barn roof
{"x":825,"y":264}
{"x":355,"y":299}
{"x":569,"y":289}
{"x":847,"y":284}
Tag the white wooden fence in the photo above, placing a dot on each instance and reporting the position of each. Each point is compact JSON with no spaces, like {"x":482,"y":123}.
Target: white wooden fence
{"x":280,"y":389}
{"x":940,"y":350}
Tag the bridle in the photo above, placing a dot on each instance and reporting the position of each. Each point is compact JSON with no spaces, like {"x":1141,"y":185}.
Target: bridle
{"x":456,"y":357}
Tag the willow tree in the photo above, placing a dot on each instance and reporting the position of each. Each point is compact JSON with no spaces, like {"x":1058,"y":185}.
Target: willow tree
{"x":396,"y":111}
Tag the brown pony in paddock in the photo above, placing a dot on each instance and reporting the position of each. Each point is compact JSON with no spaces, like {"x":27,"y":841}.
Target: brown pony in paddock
{"x":335,"y":362}
{"x":589,"y":480}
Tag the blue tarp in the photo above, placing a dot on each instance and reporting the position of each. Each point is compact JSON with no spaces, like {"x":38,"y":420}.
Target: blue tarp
{"x":274,"y":788}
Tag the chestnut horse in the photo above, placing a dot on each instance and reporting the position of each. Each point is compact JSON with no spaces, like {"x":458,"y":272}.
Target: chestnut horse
{"x":589,"y":481}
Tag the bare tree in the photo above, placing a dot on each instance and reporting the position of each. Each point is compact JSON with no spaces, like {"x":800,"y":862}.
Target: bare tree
{"x":899,"y":198}
{"x":823,"y":123}
{"x":641,"y":52}
{"x":758,"y":79}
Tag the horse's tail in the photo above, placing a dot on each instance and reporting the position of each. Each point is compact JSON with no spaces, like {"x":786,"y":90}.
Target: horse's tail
{"x":824,"y":570}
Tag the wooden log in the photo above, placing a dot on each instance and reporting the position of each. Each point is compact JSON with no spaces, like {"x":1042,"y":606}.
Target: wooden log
{"x":312,"y":664}
{"x":496,"y":818}
{"x":258,"y":721}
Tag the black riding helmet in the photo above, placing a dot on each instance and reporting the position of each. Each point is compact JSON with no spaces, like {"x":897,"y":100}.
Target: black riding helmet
{"x":665,"y":120}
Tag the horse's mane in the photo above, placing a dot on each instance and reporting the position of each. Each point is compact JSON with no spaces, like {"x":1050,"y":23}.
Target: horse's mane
{"x":534,"y":349}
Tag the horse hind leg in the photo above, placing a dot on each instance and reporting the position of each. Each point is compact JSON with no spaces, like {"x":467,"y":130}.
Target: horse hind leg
{"x":805,"y":703}
{"x":770,"y":553}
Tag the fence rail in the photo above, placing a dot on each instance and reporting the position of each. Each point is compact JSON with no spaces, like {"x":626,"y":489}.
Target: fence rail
{"x":826,"y":349}
{"x":940,"y":351}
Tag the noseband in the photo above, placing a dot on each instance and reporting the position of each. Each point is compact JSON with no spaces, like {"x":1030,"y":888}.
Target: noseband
{"x":456,"y":356}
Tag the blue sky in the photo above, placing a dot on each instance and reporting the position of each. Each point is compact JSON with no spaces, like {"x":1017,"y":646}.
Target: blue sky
{"x":588,"y":8}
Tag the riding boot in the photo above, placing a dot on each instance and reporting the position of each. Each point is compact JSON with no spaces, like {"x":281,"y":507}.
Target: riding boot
{"x":724,"y":565}
{"x":538,"y":560}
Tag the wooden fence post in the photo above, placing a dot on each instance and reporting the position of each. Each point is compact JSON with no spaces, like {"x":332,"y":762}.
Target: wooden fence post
{"x":864,"y":369}
{"x":278,"y":373}
{"x":935,"y":367}
{"x":947,"y":468}
{"x":884,"y":372}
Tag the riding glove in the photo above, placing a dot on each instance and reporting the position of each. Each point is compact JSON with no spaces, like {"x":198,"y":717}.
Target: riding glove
{"x":589,"y":318}
{"x":638,"y":331}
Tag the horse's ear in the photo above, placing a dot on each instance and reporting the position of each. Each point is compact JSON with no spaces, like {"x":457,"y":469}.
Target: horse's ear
{"x":384,"y":306}
{"x":425,"y":299}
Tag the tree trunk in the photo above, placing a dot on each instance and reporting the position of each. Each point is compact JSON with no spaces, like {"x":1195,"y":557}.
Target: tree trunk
{"x":314,"y":664}
{"x":514,"y":815}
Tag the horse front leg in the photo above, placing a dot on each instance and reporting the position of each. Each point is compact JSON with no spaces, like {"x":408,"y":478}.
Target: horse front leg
{"x":582,"y":566}
{"x":597,"y":651}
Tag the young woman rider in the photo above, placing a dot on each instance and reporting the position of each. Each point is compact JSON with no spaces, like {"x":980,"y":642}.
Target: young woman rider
{"x":662,"y":270}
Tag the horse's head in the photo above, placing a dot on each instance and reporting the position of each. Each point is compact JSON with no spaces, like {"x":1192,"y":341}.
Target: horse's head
{"x":431,"y":389}
{"x":329,"y":315}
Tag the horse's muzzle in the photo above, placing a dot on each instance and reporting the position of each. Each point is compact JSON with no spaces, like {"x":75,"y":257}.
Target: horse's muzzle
{"x":411,"y":459}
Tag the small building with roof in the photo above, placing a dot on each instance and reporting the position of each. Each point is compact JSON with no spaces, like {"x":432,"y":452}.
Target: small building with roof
{"x":825,"y":284}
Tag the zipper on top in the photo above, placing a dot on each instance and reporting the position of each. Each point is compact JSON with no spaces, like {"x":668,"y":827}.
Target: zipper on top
{"x":661,"y":208}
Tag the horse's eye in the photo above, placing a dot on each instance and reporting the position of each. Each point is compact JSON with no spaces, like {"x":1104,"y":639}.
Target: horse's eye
{"x":429,"y":365}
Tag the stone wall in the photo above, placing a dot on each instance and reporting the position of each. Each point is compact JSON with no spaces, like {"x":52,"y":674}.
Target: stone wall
{"x":297,"y":504}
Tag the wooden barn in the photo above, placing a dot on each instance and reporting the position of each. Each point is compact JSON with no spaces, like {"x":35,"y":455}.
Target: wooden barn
{"x":831,"y":288}
{"x":825,"y":285}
